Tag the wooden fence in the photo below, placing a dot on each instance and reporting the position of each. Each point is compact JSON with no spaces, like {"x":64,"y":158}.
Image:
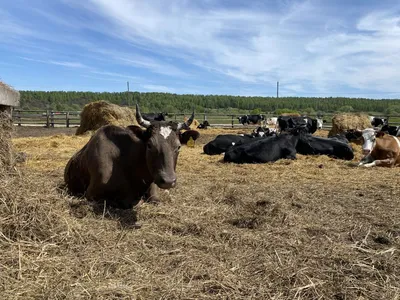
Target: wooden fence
{"x":50,"y":118}
{"x":46,"y":118}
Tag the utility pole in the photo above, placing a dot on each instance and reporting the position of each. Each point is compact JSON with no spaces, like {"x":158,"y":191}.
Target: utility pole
{"x":277,"y":89}
{"x":127,"y":97}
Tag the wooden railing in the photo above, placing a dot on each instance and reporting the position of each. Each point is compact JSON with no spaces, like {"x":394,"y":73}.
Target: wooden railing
{"x":48,"y":118}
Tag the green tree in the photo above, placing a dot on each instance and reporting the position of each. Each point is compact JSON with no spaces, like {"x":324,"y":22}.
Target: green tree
{"x":346,"y":108}
{"x":256,"y":111}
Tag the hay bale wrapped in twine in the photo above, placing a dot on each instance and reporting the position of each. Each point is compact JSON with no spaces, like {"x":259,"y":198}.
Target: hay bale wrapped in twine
{"x":97,"y":114}
{"x":6,"y":149}
{"x":344,"y":122}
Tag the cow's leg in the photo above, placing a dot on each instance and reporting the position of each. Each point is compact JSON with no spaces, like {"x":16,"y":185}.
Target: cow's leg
{"x":96,"y":189}
{"x":367,"y":160}
{"x":129,"y":196}
{"x":368,"y":165}
{"x":389,"y":162}
{"x":151,"y":196}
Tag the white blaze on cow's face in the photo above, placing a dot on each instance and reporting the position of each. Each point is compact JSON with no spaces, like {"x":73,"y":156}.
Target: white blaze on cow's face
{"x":369,"y":140}
{"x":165,"y":131}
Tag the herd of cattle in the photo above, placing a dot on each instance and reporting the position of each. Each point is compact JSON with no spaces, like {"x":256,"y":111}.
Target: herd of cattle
{"x":125,"y":165}
{"x":291,"y":135}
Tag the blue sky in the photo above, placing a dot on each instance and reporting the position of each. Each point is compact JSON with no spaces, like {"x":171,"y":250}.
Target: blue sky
{"x":313,"y":48}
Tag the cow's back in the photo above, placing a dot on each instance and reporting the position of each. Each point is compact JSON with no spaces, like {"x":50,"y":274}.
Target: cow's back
{"x":111,"y":155}
{"x":263,"y":150}
{"x":114,"y":149}
{"x":223,"y":142}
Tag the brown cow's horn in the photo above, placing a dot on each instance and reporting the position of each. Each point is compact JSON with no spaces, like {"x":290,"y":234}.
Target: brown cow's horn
{"x":186,"y":125}
{"x":140,"y":120}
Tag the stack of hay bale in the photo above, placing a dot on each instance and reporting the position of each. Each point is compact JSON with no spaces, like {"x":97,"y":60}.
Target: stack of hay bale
{"x":8,"y":98}
{"x":6,"y":153}
{"x":99,"y":113}
{"x":343,"y":122}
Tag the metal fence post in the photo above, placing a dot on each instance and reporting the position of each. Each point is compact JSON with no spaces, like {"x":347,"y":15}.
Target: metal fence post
{"x":232,"y":121}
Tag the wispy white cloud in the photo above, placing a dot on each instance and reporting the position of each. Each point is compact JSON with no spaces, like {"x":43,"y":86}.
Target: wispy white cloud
{"x":261,"y":46}
{"x":115,"y":75}
{"x":307,"y":45}
{"x":67,"y":64}
{"x":158,"y":88}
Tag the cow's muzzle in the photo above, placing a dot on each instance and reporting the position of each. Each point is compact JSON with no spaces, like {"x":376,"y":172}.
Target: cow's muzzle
{"x":365,"y":151}
{"x":166,"y":183}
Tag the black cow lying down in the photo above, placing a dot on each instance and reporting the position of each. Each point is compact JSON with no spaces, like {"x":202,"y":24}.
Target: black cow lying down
{"x":204,"y":125}
{"x":224,"y":141}
{"x":391,"y":130}
{"x":332,"y":147}
{"x":264,"y":150}
{"x":285,"y":146}
{"x":339,"y":137}
{"x":122,"y":165}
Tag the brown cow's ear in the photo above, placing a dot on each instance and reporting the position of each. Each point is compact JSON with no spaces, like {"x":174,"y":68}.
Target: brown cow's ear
{"x":380,"y":134}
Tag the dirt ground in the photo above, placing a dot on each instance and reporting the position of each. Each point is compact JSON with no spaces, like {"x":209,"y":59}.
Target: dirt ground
{"x":314,"y":228}
{"x":30,"y":131}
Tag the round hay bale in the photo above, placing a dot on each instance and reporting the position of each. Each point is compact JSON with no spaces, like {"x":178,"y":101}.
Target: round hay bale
{"x":344,"y":122}
{"x":6,"y":149}
{"x":97,"y":114}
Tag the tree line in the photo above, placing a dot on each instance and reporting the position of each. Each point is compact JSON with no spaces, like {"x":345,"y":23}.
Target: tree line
{"x":174,"y":103}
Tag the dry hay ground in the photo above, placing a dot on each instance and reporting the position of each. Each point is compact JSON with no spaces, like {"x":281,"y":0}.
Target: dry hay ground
{"x":315,"y":228}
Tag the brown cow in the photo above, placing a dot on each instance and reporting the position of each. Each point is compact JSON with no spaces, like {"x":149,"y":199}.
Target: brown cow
{"x":380,"y":149}
{"x":123,"y":165}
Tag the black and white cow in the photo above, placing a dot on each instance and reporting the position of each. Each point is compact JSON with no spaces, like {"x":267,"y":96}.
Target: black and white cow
{"x":332,"y":147}
{"x":320,"y":123}
{"x":203,"y":125}
{"x":264,"y":150}
{"x":250,"y":119}
{"x":391,"y":130}
{"x":377,"y":121}
{"x":263,"y":132}
{"x":339,"y":137}
{"x":223,"y":142}
{"x":290,"y":122}
{"x":272,"y":121}
{"x":155,"y":116}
